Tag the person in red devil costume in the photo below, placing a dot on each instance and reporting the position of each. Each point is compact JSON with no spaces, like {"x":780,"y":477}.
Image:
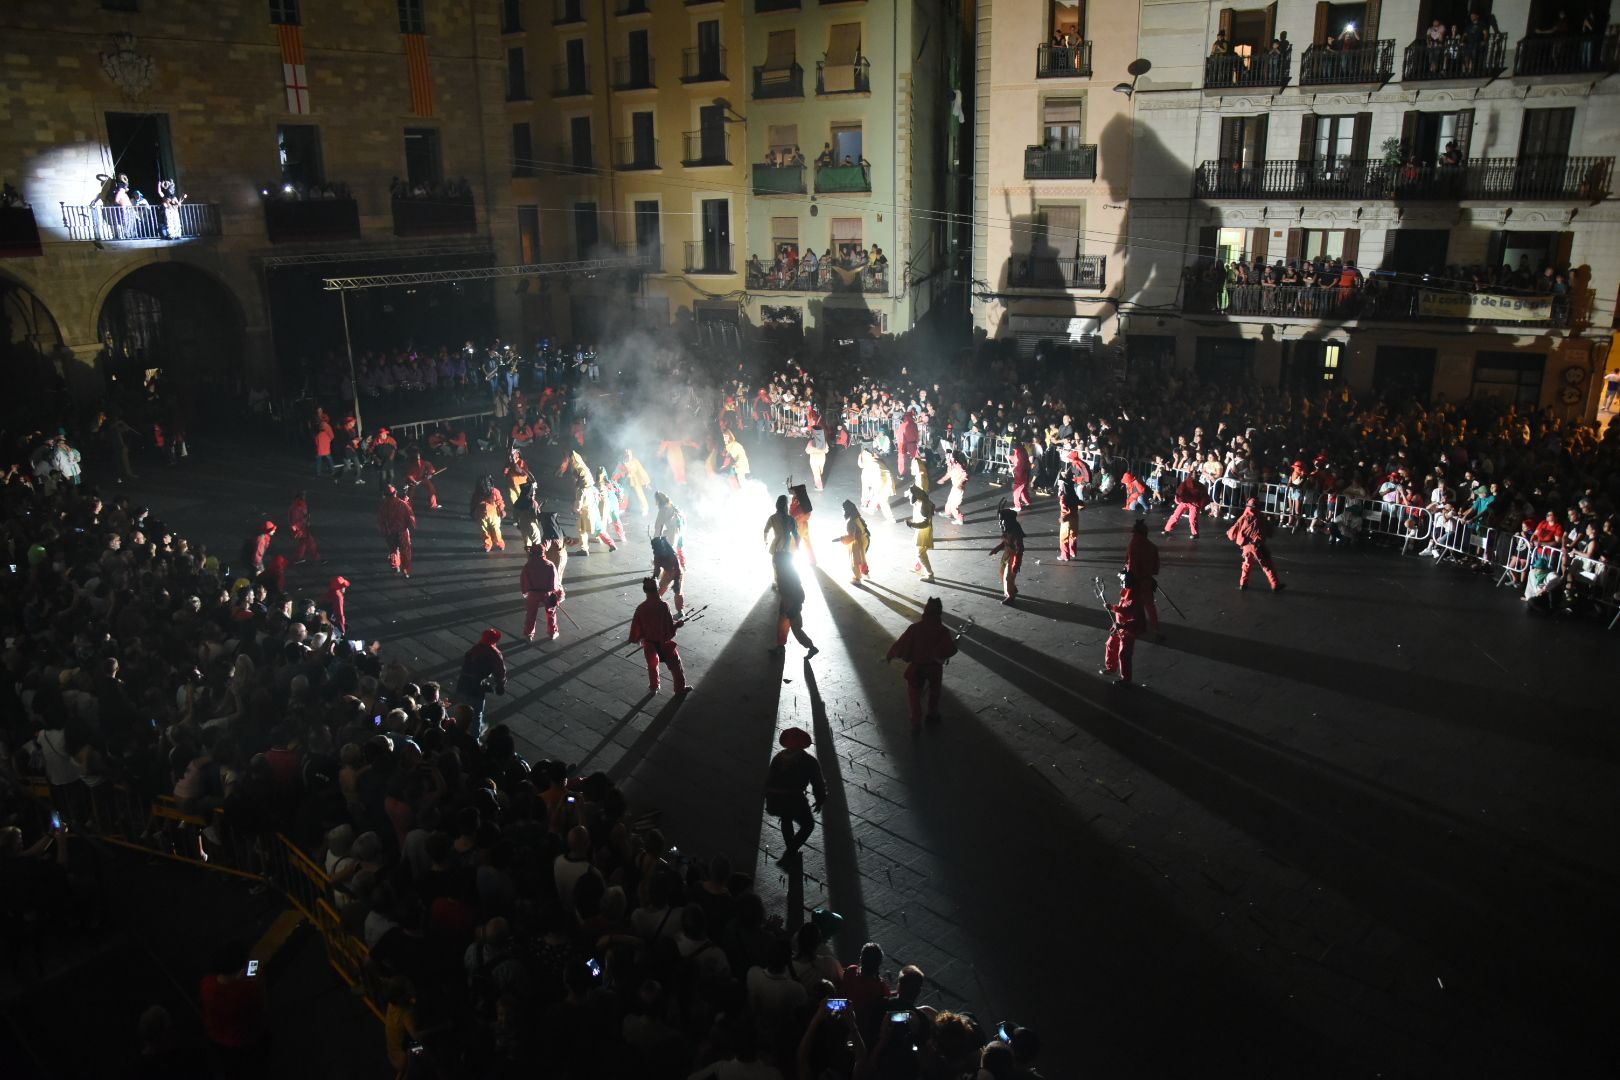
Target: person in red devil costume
{"x":540,"y":588}
{"x":298,"y":517}
{"x":653,"y":628}
{"x":256,"y":547}
{"x":274,"y":577}
{"x":1142,"y":573}
{"x":925,"y":646}
{"x":1191,"y":498}
{"x":1021,"y":476}
{"x":336,"y":600}
{"x":396,"y":520}
{"x":1011,"y":550}
{"x":1122,"y":638}
{"x":483,"y":671}
{"x":906,"y":443}
{"x":1249,"y":532}
{"x":419,"y":475}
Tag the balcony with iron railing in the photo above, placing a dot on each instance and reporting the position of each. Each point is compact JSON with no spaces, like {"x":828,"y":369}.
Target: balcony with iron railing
{"x":1063,"y":61}
{"x":833,"y":79}
{"x":567,"y":158}
{"x":19,"y":232}
{"x":436,"y":215}
{"x":567,"y":12}
{"x":703,"y":65}
{"x":1384,"y":299}
{"x":569,"y":80}
{"x":1370,"y":63}
{"x":785,"y":82}
{"x":1060,"y":163}
{"x":1583,"y":54}
{"x":779,"y":180}
{"x":1230,"y":71}
{"x":833,"y":278}
{"x":703,"y":257}
{"x":97,"y":223}
{"x":1057,"y":272}
{"x":631,"y":154}
{"x":706,"y":148}
{"x":1585,"y":179}
{"x":315,"y":218}
{"x":1455,"y":59}
{"x":634,"y":73}
{"x":847,"y":178}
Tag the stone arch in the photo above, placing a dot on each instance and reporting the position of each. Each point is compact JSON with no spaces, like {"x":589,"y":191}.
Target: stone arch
{"x":173,"y":316}
{"x":31,"y":353}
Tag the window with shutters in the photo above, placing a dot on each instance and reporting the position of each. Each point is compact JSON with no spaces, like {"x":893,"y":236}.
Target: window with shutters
{"x":1061,"y":123}
{"x":1061,"y":226}
{"x":1509,"y":376}
{"x":846,"y":238}
{"x":1344,"y":25}
{"x":1323,"y":243}
{"x":784,"y":236}
{"x":1431,"y":136}
{"x":1243,"y":140}
{"x":284,"y":12}
{"x":1335,"y":137}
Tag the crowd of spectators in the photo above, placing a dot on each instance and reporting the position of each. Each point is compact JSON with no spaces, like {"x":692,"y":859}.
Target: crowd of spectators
{"x":458,"y":190}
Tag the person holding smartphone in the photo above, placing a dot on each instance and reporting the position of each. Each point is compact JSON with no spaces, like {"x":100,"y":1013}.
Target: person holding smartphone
{"x":235,"y":1010}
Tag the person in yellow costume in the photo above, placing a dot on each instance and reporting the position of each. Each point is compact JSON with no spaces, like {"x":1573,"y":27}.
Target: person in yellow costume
{"x":633,"y":476}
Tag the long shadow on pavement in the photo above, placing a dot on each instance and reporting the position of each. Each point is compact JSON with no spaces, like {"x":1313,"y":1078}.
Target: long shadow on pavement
{"x":1064,"y":921}
{"x":1523,"y":926}
{"x":837,"y":835}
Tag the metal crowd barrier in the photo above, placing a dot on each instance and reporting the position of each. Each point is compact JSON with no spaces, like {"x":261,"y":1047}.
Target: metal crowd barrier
{"x":417,"y":429}
{"x":117,"y":814}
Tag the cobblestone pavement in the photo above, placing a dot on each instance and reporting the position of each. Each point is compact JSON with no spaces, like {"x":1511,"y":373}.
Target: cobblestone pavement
{"x":1362,"y":827}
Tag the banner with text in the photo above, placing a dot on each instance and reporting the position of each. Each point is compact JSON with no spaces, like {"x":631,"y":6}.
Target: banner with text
{"x":1482,"y":306}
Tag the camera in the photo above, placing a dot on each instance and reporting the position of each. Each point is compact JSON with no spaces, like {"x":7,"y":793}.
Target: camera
{"x":596,"y":968}
{"x":837,"y":1005}
{"x":901,"y":1016}
{"x":252,"y":968}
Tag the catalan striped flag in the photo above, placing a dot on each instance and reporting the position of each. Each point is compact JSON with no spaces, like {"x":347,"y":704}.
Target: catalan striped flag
{"x":416,"y":59}
{"x":292,"y":67}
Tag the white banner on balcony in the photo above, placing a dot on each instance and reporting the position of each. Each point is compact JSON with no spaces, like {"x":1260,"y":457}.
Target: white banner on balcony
{"x":1060,"y":328}
{"x":1481,"y":306}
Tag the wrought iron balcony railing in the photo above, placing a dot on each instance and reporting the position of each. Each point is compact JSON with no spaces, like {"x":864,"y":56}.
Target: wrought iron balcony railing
{"x":1060,"y":163}
{"x":834,"y":278}
{"x":1584,"y":54}
{"x":709,"y":147}
{"x":188,"y":221}
{"x":1058,"y":272}
{"x":1462,"y":59}
{"x":1575,"y":178}
{"x":1232,"y":72}
{"x":779,"y":180}
{"x":703,"y":65}
{"x":785,"y":82}
{"x":703,"y":257}
{"x":568,"y":80}
{"x":1063,"y":61}
{"x":634,"y":73}
{"x":633,"y":153}
{"x":853,"y":78}
{"x":1369,"y":62}
{"x":1380,"y":299}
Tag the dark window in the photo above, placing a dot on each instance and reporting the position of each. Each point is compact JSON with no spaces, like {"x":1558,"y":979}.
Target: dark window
{"x":648,"y":233}
{"x":284,"y":12}
{"x":522,"y":150}
{"x":643,"y":139}
{"x":1243,"y":140}
{"x":1546,"y":133}
{"x":579,"y":142}
{"x":640,"y":59}
{"x":716,"y":235}
{"x":299,"y":148}
{"x":423,"y":164}
{"x":712,"y":133}
{"x":708,"y":45}
{"x":528,"y":235}
{"x":574,"y":54}
{"x":584,"y":229}
{"x":1225,"y":361}
{"x":517,"y":79}
{"x":411,"y":18}
{"x":1403,"y":371}
{"x":141,"y":150}
{"x":121,"y":5}
{"x":1511,"y":377}
{"x":511,"y":16}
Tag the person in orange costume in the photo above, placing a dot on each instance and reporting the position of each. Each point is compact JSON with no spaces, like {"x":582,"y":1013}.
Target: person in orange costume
{"x":419,"y":474}
{"x":487,"y":509}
